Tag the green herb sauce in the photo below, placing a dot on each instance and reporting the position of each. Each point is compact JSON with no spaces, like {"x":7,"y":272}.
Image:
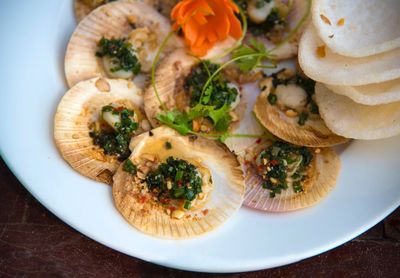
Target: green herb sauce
{"x":274,"y":21}
{"x":278,"y":160}
{"x":129,"y":167}
{"x":121,"y":54}
{"x":115,"y":140}
{"x":175,"y":179}
{"x":221,"y":94}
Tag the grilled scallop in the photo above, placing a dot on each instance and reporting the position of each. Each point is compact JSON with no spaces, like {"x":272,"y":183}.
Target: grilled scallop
{"x":117,"y":40}
{"x":94,"y":123}
{"x":283,"y":177}
{"x":286,"y":107}
{"x":170,"y":81}
{"x":177,"y":187}
{"x":271,"y":22}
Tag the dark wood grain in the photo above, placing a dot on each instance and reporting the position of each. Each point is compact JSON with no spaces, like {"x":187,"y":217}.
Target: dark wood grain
{"x":35,"y":243}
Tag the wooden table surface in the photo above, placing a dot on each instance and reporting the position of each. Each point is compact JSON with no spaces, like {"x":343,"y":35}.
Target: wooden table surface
{"x":34,"y":243}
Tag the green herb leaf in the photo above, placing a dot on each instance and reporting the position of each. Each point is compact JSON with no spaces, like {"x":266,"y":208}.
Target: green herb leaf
{"x":176,"y":120}
{"x":129,"y":167}
{"x":205,"y":99}
{"x":221,"y":118}
{"x":121,"y":54}
{"x":250,"y":56}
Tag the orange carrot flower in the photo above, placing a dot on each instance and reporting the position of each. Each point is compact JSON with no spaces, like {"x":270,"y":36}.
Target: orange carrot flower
{"x":206,"y":22}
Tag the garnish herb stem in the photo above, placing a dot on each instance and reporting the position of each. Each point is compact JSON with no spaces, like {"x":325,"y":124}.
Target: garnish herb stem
{"x":227,"y":64}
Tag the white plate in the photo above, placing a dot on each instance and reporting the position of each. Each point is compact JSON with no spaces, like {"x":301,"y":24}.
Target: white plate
{"x":34,"y":35}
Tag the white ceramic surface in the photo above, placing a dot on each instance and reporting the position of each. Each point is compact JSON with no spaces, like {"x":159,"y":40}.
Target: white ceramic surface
{"x":34,"y":36}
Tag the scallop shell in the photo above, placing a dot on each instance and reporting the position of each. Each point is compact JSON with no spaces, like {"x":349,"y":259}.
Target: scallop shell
{"x":77,"y":109}
{"x":313,"y":134}
{"x":169,"y":80}
{"x":111,"y":21}
{"x":324,"y":172}
{"x":164,"y":6}
{"x":152,"y":218}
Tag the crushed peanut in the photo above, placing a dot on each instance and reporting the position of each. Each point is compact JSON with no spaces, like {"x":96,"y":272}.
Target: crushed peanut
{"x":233,"y":116}
{"x":177,"y":214}
{"x":169,"y":185}
{"x":132,"y":19}
{"x":291,"y":113}
{"x":141,"y":175}
{"x":195,"y":126}
{"x":130,"y":84}
{"x":204,"y":128}
{"x":145,"y":42}
{"x":102,"y":85}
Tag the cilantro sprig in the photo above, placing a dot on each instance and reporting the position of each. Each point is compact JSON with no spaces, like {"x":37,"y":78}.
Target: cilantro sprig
{"x":251,"y":56}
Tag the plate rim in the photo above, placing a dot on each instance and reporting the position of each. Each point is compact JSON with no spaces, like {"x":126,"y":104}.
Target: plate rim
{"x":11,"y":161}
{"x":255,"y":267}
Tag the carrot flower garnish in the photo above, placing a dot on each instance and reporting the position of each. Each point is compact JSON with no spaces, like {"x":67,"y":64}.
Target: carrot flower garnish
{"x":206,"y":22}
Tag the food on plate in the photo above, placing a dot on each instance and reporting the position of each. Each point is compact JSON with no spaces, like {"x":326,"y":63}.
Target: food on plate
{"x":175,"y":186}
{"x":276,"y":23}
{"x":321,"y":64}
{"x":357,"y":62}
{"x":284,"y":177}
{"x":84,"y":7}
{"x":370,"y":94}
{"x":354,"y":120}
{"x":195,"y":79}
{"x":286,"y":107}
{"x":94,"y":123}
{"x":117,"y":40}
{"x":182,"y":99}
{"x":357,"y":28}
